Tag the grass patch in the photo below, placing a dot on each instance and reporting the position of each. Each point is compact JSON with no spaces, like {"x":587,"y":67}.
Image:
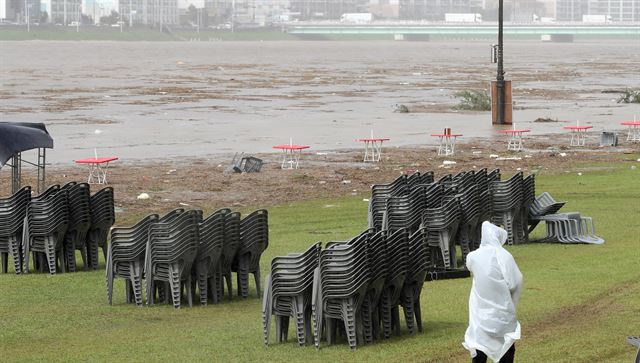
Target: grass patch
{"x":578,"y":305}
{"x":473,"y":100}
{"x":629,"y":96}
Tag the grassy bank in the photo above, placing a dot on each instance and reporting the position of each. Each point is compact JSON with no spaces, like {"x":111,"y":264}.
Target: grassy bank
{"x":579,"y":302}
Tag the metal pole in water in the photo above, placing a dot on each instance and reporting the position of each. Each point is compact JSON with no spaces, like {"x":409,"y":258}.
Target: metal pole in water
{"x":500,"y":75}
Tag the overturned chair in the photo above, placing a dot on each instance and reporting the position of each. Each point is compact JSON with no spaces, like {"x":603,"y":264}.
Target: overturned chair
{"x":570,"y":228}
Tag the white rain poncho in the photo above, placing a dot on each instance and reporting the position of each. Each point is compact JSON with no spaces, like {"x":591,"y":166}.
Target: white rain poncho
{"x":497,"y":284}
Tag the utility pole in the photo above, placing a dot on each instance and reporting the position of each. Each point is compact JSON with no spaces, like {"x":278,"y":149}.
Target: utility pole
{"x":500,"y":75}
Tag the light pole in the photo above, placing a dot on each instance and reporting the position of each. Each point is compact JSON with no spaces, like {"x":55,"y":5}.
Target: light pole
{"x":500,"y":75}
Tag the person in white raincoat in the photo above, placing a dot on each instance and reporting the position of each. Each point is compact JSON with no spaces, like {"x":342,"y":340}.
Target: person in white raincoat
{"x":495,"y":292}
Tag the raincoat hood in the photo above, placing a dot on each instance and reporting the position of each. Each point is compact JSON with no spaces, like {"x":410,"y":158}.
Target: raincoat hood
{"x":492,"y":235}
{"x":495,"y":293}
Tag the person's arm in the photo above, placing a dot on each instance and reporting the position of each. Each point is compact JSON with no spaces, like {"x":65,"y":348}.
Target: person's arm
{"x":512,"y":276}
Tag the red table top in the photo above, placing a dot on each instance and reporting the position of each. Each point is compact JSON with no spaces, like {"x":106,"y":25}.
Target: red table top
{"x":96,"y":160}
{"x":369,"y":139}
{"x":631,"y":123}
{"x":292,"y":147}
{"x":513,"y":131}
{"x":445,"y":135}
{"x":574,"y":127}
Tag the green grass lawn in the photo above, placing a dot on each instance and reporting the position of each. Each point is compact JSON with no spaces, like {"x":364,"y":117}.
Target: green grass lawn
{"x":579,"y":302}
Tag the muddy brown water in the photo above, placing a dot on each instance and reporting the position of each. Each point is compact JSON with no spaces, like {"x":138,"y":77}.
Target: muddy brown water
{"x":164,"y":100}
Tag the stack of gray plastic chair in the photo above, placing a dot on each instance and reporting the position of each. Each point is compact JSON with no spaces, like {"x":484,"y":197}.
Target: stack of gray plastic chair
{"x":78,"y":196}
{"x":469,"y":218}
{"x":288,"y":294}
{"x":47,"y":217}
{"x":254,"y":240}
{"x":570,"y":228}
{"x":103,"y":216}
{"x":379,"y":264}
{"x":446,"y":181}
{"x":208,"y":256}
{"x":528,"y":197}
{"x":493,"y":176}
{"x":397,"y":246}
{"x":405,"y":211}
{"x":170,"y":252}
{"x":340,"y":288}
{"x":12,"y":212}
{"x":507,"y":201}
{"x":541,"y":206}
{"x":414,"y":280}
{"x":162,"y":289}
{"x":433,"y":195}
{"x":378,"y":202}
{"x":39,"y":258}
{"x":419,"y":178}
{"x":126,"y":257}
{"x":485,"y":199}
{"x":229,"y":250}
{"x":442,"y":225}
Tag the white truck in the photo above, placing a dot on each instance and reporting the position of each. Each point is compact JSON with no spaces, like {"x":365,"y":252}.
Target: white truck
{"x":596,"y":19}
{"x":356,"y":18}
{"x":462,"y":18}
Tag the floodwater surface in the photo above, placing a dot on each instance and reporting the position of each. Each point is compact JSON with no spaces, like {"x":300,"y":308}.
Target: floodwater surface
{"x":159,"y":100}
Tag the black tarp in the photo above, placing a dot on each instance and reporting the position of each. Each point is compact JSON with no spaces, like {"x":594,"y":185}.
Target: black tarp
{"x":16,"y":137}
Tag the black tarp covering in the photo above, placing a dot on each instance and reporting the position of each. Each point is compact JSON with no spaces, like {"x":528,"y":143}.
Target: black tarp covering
{"x":17,"y":137}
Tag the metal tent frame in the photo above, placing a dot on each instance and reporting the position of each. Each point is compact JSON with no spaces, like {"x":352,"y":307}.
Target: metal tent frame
{"x":16,"y":170}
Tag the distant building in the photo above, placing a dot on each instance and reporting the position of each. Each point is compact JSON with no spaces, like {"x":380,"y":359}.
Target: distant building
{"x":62,"y":12}
{"x":95,"y":9}
{"x":219,"y":10}
{"x":149,"y":12}
{"x":7,"y":10}
{"x":15,"y":11}
{"x":571,"y":10}
{"x":432,"y":9}
{"x":523,"y":11}
{"x":326,"y":9}
{"x":384,"y":9}
{"x":618,"y":10}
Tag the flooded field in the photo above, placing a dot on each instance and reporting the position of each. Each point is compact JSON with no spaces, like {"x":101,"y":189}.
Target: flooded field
{"x":165,"y":100}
